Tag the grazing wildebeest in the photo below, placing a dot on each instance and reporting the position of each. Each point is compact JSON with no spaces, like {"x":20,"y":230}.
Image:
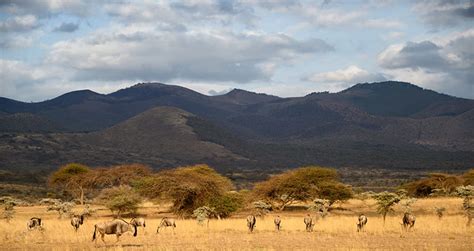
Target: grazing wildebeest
{"x":139,"y":222}
{"x":408,"y":221}
{"x":117,"y":227}
{"x":251,"y":221}
{"x":308,"y":221}
{"x":362,"y":221}
{"x":277,"y":222}
{"x":166,"y":222}
{"x":34,"y":223}
{"x":77,"y":221}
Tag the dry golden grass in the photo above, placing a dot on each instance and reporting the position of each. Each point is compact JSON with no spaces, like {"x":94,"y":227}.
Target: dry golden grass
{"x":336,"y":232}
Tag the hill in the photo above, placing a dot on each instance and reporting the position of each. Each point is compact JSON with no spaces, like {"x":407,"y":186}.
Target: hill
{"x":387,"y":125}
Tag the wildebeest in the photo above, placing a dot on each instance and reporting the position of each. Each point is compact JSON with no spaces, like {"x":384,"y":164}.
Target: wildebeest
{"x":139,"y":222}
{"x":117,"y":227}
{"x":77,"y":221}
{"x":308,"y":221}
{"x":251,"y":222}
{"x":362,"y":221}
{"x":408,"y":221}
{"x":166,"y":222}
{"x":34,"y":223}
{"x":277,"y":222}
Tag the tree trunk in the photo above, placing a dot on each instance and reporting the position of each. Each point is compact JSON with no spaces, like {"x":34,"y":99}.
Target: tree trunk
{"x":82,"y":195}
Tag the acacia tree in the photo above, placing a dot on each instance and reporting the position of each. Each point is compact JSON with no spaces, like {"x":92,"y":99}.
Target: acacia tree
{"x":9,"y":208}
{"x":72,"y":178}
{"x":187,"y":187}
{"x":120,"y":199}
{"x":385,"y":202}
{"x":469,"y":178}
{"x":467,"y":193}
{"x":434,"y":184}
{"x":302,"y":184}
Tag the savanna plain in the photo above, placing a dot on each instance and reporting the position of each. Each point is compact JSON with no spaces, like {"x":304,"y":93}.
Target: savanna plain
{"x":337,"y":231}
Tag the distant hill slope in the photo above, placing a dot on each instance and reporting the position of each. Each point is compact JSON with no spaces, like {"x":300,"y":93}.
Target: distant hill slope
{"x":242,"y":97}
{"x":160,"y":137}
{"x":403,"y":100}
{"x":161,"y":131}
{"x":387,"y":124}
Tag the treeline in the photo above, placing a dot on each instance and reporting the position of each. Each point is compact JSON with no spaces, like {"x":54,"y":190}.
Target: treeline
{"x":190,"y":188}
{"x":439,"y":184}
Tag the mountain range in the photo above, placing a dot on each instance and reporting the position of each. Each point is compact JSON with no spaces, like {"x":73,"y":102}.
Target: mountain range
{"x":390,"y":125}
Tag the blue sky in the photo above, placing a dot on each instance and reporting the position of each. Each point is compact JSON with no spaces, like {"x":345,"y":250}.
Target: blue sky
{"x":280,"y":47}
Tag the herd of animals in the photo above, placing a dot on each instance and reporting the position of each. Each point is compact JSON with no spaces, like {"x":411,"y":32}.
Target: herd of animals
{"x":120,"y":226}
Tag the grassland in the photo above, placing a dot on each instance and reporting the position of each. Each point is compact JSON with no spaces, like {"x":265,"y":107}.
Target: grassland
{"x":335,"y":232}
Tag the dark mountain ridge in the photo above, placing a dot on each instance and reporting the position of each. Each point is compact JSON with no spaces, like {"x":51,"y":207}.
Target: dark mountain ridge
{"x":390,"y":124}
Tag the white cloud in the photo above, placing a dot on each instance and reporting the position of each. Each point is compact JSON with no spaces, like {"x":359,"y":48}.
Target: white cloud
{"x":442,"y":13}
{"x":443,"y":64}
{"x":129,"y":53}
{"x":348,"y":76}
{"x":19,"y":23}
{"x":393,"y":35}
{"x":381,"y":23}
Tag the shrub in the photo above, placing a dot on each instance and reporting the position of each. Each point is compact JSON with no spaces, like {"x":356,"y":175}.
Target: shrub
{"x":226,"y":204}
{"x":120,"y":199}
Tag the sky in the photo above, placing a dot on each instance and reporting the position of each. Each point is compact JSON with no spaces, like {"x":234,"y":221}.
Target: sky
{"x":280,"y":47}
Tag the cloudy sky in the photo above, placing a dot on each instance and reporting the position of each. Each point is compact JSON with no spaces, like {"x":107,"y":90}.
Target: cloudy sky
{"x":281,"y":47}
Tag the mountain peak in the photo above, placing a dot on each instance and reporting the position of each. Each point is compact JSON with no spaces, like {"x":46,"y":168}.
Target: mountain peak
{"x":148,"y":84}
{"x":243,"y":97}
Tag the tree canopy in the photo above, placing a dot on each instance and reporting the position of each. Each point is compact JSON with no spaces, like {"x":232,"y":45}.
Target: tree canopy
{"x":302,"y":184}
{"x":187,"y":187}
{"x":440,"y":183}
{"x":71,"y":178}
{"x":120,"y":199}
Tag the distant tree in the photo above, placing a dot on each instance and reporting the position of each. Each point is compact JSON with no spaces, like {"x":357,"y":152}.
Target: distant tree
{"x":438,"y":183}
{"x":334,"y":191}
{"x":202,"y":214}
{"x":120,"y":199}
{"x":302,"y":184}
{"x":467,"y":193}
{"x":385,"y":202}
{"x":72,"y":178}
{"x":469,"y":178}
{"x":187,"y":187}
{"x":320,"y":206}
{"x":119,"y":175}
{"x":406,"y":204}
{"x":58,"y":205}
{"x":8,"y":208}
{"x":261,"y":207}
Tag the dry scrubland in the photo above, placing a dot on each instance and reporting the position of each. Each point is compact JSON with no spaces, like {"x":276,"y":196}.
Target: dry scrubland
{"x":337,"y":231}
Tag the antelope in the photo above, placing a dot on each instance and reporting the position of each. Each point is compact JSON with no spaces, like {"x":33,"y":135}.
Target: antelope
{"x":166,"y":222}
{"x":277,"y":222}
{"x":308,"y":221}
{"x":34,"y":223}
{"x":362,"y":222}
{"x":408,"y":221}
{"x":117,"y":227}
{"x":139,"y":222}
{"x":77,"y":221}
{"x":251,"y":221}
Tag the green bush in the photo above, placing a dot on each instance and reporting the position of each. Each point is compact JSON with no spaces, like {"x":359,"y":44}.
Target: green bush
{"x":227,"y":204}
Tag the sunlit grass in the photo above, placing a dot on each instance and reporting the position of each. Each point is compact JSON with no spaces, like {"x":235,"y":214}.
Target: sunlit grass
{"x":337,"y":231}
